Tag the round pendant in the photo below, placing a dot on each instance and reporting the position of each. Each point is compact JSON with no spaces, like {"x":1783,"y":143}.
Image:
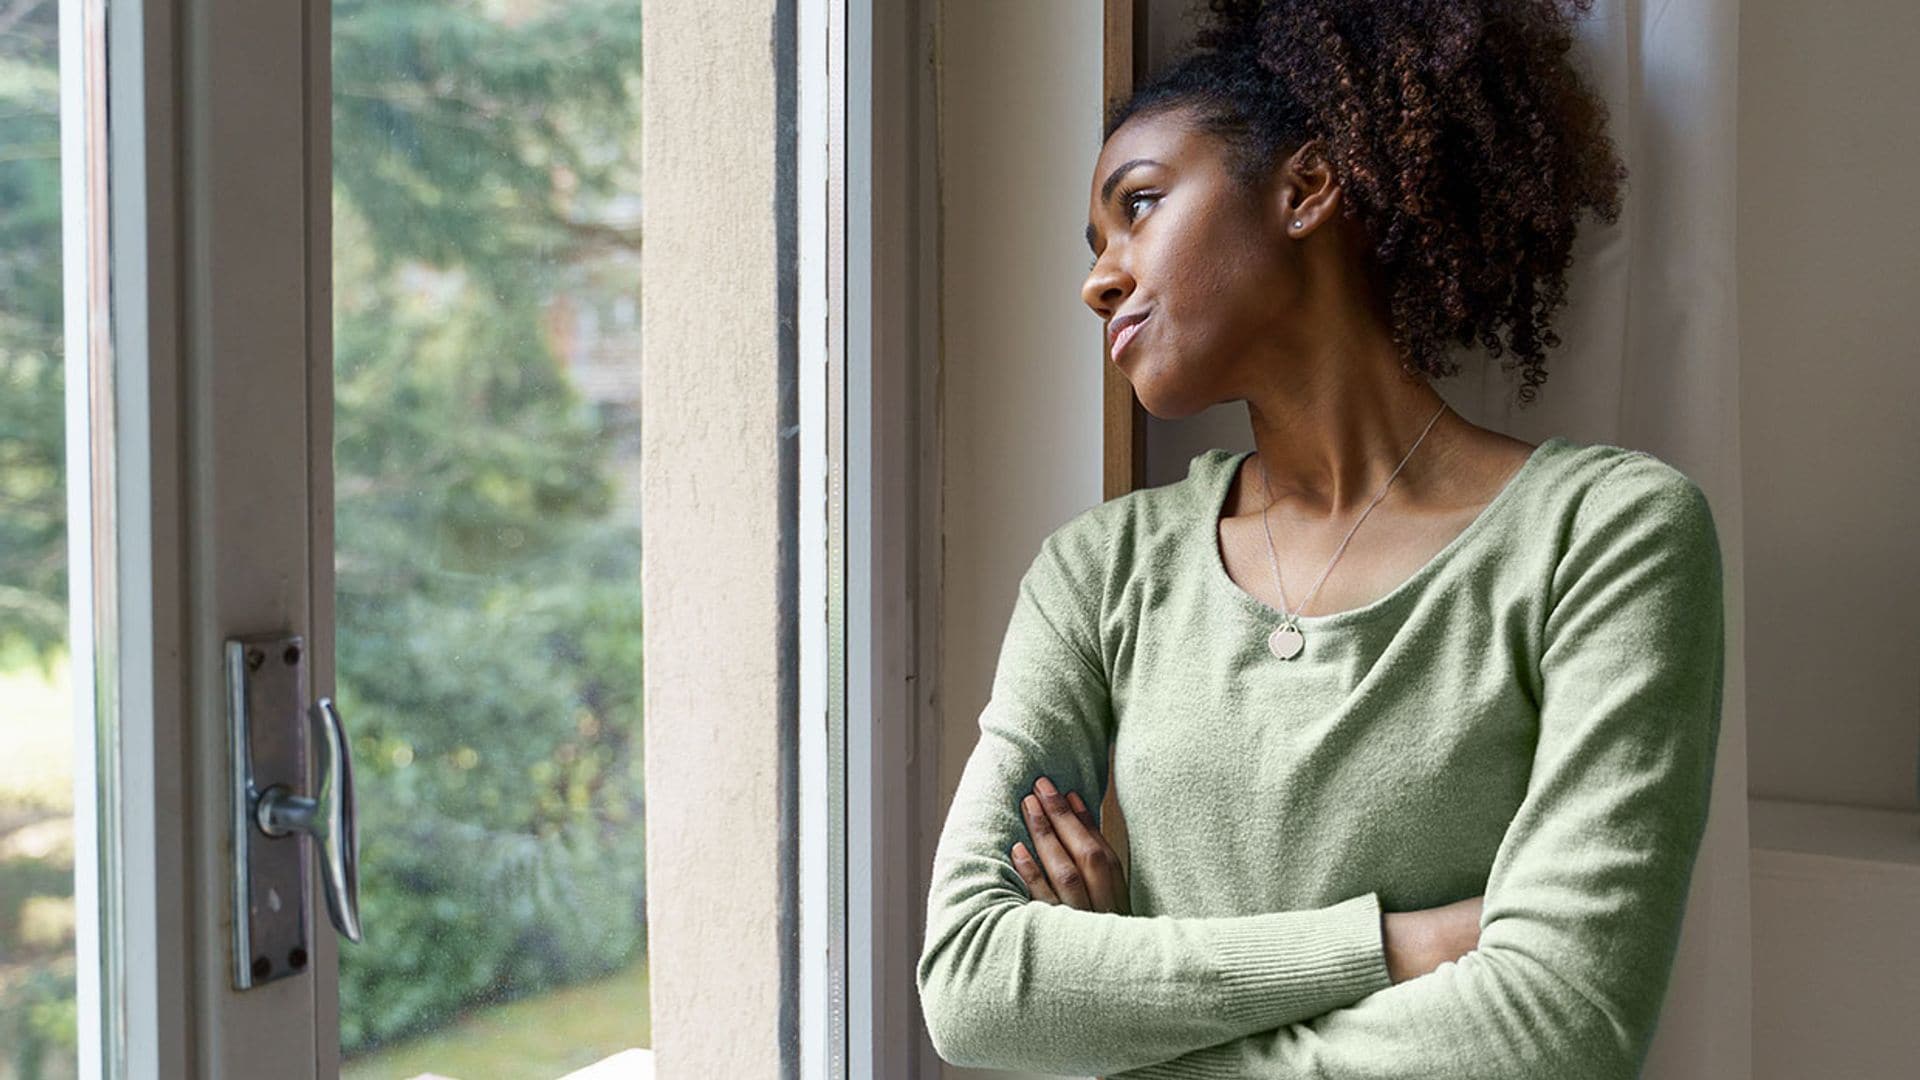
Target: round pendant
{"x":1285,"y":642}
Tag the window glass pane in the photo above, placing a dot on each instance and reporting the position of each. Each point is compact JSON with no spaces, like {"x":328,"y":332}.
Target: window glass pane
{"x":37,"y":734}
{"x":487,"y":351}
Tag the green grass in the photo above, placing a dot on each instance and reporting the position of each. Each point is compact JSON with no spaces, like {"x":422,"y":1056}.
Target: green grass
{"x":537,"y":1038}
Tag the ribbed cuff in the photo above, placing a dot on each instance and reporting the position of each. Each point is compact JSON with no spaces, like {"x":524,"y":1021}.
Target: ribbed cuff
{"x":1211,"y":1063}
{"x":1291,"y":965}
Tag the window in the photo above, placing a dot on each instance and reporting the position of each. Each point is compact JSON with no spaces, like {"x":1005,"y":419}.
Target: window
{"x":370,"y":327}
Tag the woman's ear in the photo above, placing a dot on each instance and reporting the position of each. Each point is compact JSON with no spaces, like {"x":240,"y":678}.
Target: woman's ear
{"x":1308,"y":189}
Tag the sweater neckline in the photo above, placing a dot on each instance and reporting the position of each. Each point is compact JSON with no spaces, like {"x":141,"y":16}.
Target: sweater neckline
{"x":1217,"y":569}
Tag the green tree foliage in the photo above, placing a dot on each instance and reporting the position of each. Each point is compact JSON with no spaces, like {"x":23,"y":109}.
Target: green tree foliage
{"x":37,"y":1018}
{"x":488,"y":604}
{"x":33,"y":578}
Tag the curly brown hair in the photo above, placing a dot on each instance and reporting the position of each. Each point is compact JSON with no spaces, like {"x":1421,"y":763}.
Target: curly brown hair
{"x":1465,"y":141}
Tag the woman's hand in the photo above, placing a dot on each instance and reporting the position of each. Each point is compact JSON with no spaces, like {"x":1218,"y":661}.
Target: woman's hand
{"x":1076,"y":865}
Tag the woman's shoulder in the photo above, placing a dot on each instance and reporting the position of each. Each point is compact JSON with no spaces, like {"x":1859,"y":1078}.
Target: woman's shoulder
{"x":1616,"y":511}
{"x":1599,"y":482}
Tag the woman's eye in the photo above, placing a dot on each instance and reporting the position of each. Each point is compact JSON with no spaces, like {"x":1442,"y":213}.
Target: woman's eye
{"x":1127,"y":201}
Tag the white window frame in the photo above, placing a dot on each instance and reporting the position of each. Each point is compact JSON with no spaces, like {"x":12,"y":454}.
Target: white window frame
{"x":181,"y":451}
{"x":892,"y":525}
{"x":867,"y":208}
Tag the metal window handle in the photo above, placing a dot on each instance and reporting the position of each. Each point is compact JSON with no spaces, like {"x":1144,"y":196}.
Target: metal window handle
{"x":273,"y":736}
{"x":327,"y":817}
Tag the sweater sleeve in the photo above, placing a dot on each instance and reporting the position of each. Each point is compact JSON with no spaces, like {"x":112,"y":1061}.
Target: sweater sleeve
{"x":1583,"y":904}
{"x":1010,"y":982}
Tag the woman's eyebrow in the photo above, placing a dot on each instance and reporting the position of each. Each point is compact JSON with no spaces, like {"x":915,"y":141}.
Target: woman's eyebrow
{"x":1113,"y":181}
{"x":1113,"y":178}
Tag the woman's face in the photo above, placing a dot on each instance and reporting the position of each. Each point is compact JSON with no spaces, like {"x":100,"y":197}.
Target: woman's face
{"x":1208,"y":265}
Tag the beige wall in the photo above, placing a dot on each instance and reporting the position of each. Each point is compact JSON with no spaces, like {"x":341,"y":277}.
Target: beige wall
{"x":1021,"y":363}
{"x":710,"y":538}
{"x":1829,"y":263}
{"x":1827,"y":272}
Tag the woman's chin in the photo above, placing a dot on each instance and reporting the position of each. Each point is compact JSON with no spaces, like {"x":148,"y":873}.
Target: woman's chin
{"x":1162,"y":402}
{"x":1165,"y":413}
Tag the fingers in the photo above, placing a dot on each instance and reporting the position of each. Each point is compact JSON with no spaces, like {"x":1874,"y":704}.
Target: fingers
{"x":1106,"y":875}
{"x":1069,"y":861}
{"x":1030,"y":872}
{"x":1080,"y":810}
{"x":1055,"y":858}
{"x":1085,"y":855}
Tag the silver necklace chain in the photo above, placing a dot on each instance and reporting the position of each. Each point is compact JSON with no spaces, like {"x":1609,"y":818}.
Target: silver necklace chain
{"x":1286,"y":640}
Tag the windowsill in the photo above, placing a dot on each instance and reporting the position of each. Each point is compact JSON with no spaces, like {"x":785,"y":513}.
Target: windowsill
{"x":634,"y":1064}
{"x":1889,"y":838}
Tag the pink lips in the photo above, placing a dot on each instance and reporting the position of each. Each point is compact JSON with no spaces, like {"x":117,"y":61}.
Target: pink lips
{"x":1125,"y":335}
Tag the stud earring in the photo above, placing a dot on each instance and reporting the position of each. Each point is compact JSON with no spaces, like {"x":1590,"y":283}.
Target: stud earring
{"x":1296,"y":223}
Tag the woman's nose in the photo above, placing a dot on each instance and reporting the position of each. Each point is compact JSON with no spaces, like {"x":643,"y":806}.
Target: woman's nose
{"x":1104,"y":290}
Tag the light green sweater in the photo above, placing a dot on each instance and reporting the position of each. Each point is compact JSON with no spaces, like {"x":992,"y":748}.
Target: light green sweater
{"x":1533,"y":715}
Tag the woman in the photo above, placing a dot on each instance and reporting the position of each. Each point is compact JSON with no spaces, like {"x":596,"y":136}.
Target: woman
{"x":1419,"y":798}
